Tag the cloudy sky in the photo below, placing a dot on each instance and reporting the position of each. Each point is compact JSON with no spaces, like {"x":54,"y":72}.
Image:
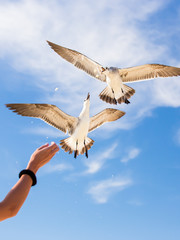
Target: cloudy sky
{"x":128,"y":188}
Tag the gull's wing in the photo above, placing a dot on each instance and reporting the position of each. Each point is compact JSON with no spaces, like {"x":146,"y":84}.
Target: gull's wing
{"x":107,"y":115}
{"x":148,"y":71}
{"x":48,"y":113}
{"x":80,"y":61}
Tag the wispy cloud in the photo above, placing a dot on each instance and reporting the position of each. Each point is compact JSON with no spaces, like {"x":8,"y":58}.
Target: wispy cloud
{"x":96,"y":162}
{"x":103,"y":190}
{"x":44,"y":131}
{"x":49,"y":168}
{"x":133,"y":153}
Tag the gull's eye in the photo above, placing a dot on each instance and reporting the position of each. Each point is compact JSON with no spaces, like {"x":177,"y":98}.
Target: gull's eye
{"x":103,"y":69}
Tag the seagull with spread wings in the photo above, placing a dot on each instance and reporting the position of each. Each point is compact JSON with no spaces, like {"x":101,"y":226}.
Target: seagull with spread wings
{"x":77,"y":127}
{"x":116,"y":91}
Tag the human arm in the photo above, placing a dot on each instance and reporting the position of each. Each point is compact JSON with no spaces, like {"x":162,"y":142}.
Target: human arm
{"x":14,"y":200}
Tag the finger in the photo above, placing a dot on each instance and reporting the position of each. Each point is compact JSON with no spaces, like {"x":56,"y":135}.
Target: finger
{"x":56,"y":149}
{"x":44,"y":146}
{"x":53,"y":146}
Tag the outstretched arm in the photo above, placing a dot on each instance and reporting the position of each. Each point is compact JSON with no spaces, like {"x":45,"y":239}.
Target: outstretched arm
{"x":12,"y":203}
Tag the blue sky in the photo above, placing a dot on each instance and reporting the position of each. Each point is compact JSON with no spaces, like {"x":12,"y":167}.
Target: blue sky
{"x":129,"y":187}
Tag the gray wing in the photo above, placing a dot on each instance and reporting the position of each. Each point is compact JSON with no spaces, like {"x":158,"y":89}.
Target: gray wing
{"x":48,"y":113}
{"x":80,"y":61}
{"x":107,"y":115}
{"x":148,"y":71}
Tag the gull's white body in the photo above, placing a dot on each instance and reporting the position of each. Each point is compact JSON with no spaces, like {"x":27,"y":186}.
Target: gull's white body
{"x":79,"y":138}
{"x":114,"y":82}
{"x":82,"y":128}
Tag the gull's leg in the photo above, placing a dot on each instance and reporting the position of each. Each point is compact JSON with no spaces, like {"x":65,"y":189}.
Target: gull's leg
{"x":86,"y":151}
{"x":127,"y":101}
{"x":75,"y":152}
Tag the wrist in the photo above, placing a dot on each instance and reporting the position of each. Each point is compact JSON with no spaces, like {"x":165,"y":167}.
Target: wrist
{"x":32,"y":167}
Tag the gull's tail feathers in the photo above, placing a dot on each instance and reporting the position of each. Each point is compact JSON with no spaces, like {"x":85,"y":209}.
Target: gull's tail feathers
{"x":127,"y":93}
{"x":71,"y":145}
{"x":108,"y":96}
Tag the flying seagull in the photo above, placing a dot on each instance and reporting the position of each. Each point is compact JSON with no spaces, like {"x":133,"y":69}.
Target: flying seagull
{"x":116,"y":91}
{"x":77,"y":127}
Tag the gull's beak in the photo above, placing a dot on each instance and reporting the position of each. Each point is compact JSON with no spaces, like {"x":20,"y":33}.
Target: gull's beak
{"x":103,"y":69}
{"x":88,"y":96}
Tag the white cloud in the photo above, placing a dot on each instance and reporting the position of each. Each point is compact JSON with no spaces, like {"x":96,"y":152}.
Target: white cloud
{"x":133,"y":153}
{"x":103,"y":190}
{"x":96,"y":162}
{"x":49,"y":168}
{"x":119,"y":40}
{"x":44,"y":131}
{"x":167,"y":92}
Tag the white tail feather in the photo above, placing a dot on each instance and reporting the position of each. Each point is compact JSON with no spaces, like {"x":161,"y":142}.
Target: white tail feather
{"x":125,"y":94}
{"x":71,"y":145}
{"x":108,"y":96}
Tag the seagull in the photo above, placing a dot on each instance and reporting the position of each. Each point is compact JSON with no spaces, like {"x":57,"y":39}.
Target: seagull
{"x":76,"y":127}
{"x":116,"y":91}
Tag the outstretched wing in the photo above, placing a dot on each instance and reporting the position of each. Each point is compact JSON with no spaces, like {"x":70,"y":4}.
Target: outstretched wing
{"x":107,"y":115}
{"x":48,"y":113}
{"x":80,"y":61}
{"x":148,"y":71}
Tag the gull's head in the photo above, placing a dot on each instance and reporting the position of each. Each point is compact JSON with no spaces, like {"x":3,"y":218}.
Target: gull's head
{"x":87,"y":100}
{"x":104,"y":69}
{"x":85,"y":109}
{"x":88,"y":97}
